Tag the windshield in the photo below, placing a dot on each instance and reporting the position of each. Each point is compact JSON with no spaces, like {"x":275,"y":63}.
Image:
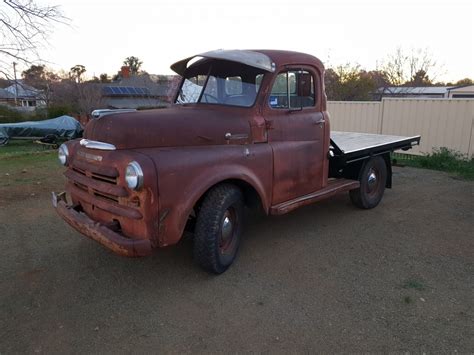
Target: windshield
{"x":222,"y":83}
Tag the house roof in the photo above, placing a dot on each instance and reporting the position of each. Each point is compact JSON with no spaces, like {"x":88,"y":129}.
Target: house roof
{"x":415,"y":90}
{"x":23,"y":90}
{"x":142,"y":84}
{"x":136,"y":91}
{"x":4,"y":94}
{"x":462,"y":88}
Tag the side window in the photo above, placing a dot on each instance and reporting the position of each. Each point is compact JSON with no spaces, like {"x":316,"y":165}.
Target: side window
{"x":293,"y":89}
{"x":191,"y":89}
{"x":233,"y":85}
{"x":210,"y":92}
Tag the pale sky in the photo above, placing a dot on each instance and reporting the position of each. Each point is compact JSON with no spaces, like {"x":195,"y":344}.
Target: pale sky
{"x":103,"y":33}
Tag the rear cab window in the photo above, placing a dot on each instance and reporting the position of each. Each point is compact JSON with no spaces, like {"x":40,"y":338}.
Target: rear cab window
{"x":293,"y":89}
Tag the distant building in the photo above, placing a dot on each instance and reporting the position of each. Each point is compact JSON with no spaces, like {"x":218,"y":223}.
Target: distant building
{"x":461,"y":92}
{"x":464,"y":91}
{"x":6,"y":98}
{"x":137,"y":91}
{"x":22,"y":96}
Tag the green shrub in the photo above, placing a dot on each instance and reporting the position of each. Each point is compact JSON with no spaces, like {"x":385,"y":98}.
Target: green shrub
{"x":56,"y":111}
{"x":443,"y":159}
{"x":8,"y":115}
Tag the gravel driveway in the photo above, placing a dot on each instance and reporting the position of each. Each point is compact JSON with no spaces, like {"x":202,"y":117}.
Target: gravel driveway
{"x":326,"y":278}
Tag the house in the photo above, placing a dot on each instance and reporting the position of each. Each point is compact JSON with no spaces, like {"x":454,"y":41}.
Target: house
{"x":134,"y":96}
{"x":22,"y":96}
{"x":137,"y":91}
{"x":464,"y":91}
{"x":7,"y":98}
{"x":460,"y":92}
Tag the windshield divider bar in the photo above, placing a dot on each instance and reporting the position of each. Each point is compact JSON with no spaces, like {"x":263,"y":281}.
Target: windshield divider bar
{"x":205,"y":84}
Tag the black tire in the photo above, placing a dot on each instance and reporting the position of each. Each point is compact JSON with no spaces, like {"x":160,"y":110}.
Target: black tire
{"x":218,"y":228}
{"x":372,"y":177}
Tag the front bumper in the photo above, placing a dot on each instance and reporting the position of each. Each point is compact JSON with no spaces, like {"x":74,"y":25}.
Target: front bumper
{"x":100,"y":233}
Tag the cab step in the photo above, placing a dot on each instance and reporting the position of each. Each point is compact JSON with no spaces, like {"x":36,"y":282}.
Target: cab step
{"x":333,"y":188}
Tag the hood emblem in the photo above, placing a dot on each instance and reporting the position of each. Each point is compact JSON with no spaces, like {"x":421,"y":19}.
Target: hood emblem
{"x":89,"y":156}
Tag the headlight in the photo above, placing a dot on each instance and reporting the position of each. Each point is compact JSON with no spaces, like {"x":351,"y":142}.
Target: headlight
{"x":63,"y":154}
{"x":134,"y":175}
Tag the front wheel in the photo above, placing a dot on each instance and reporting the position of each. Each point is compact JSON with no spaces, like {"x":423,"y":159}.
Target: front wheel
{"x":372,"y":177}
{"x":218,"y":228}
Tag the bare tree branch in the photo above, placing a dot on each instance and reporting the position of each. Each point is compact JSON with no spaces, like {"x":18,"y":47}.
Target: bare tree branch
{"x":403,"y":68}
{"x":24,"y":28}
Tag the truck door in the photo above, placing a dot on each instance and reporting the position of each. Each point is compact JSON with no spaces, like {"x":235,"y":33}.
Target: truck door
{"x":295,"y":130}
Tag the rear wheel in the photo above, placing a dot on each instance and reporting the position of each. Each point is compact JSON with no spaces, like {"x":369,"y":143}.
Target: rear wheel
{"x":372,"y":177}
{"x":218,"y":228}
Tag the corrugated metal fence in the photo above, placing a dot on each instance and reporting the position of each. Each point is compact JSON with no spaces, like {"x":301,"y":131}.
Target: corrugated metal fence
{"x":440,"y":122}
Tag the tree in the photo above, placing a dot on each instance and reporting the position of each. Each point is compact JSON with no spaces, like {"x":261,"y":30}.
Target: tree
{"x":4,"y":83}
{"x":94,"y":79}
{"x":33,"y":74}
{"x":90,"y":98}
{"x":133,"y":63}
{"x":65,"y":94}
{"x":79,"y":98}
{"x":24,"y":27}
{"x":349,"y":83}
{"x":76,"y":72}
{"x":39,"y":77}
{"x":465,"y":81}
{"x":402,"y":68}
{"x":331,"y":83}
{"x":379,"y":78}
{"x":420,"y":78}
{"x":104,"y":78}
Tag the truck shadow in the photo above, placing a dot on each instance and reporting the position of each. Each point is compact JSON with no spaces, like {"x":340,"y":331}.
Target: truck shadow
{"x":170,"y":269}
{"x":261,"y":234}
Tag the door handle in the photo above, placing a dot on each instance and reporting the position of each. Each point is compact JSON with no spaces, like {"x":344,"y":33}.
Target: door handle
{"x":229,"y":136}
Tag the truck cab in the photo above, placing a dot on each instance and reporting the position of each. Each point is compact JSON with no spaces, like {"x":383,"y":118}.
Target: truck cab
{"x":246,"y":128}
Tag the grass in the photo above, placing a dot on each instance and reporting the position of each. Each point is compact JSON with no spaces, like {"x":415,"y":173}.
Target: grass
{"x":442,"y":159}
{"x":24,"y":162}
{"x":16,"y":148}
{"x":414,"y":284}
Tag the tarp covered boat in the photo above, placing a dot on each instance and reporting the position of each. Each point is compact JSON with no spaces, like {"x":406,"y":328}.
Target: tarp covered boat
{"x":65,"y":127}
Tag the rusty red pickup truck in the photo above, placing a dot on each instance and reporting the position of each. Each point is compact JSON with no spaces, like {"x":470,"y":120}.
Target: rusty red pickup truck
{"x":248,"y":128}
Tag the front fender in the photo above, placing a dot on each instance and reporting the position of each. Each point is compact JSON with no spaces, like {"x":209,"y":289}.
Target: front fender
{"x":186,"y":174}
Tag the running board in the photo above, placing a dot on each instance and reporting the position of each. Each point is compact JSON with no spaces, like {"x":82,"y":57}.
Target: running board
{"x":333,"y":187}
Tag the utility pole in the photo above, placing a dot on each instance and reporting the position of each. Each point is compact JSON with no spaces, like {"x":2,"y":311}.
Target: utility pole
{"x":16,"y":84}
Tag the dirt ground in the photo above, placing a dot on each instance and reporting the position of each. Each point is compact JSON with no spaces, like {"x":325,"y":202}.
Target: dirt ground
{"x":326,"y":278}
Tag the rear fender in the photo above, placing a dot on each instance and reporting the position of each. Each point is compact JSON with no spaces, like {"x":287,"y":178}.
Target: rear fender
{"x":353,"y":170}
{"x":388,"y":163}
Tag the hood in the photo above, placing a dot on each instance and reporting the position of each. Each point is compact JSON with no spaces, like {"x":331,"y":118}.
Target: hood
{"x":189,"y":125}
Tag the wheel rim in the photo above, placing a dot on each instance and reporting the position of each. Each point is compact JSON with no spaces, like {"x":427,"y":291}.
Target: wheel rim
{"x":228,"y":229}
{"x":373,"y":182}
